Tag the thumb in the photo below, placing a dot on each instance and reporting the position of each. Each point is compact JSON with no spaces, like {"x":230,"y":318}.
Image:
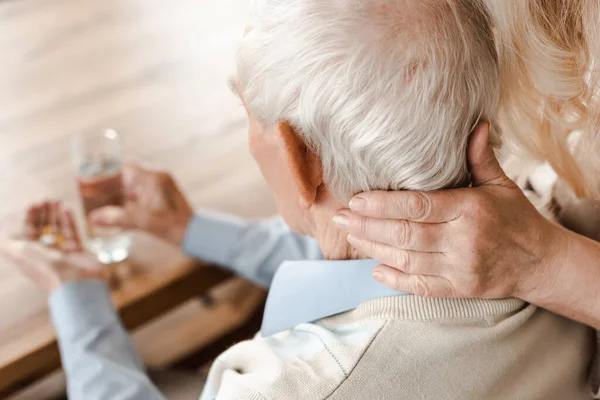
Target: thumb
{"x":132,"y":216}
{"x":111,"y":216}
{"x":483,"y":164}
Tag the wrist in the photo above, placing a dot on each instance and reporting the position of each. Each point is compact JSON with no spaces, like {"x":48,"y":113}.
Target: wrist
{"x":539,"y":284}
{"x":176,"y":234}
{"x":572,"y":280}
{"x":78,"y":307}
{"x":54,"y":285}
{"x":57,"y":281}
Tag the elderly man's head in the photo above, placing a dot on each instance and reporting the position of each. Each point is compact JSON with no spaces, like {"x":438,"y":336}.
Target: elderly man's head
{"x":354,"y":95}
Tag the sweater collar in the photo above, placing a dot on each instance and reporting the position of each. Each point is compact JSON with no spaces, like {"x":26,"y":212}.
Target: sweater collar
{"x":306,"y":291}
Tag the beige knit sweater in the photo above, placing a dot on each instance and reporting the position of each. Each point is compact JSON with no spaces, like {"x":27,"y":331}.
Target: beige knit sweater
{"x":408,"y":347}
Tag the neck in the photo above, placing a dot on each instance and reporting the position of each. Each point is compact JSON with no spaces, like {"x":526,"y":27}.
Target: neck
{"x":333,"y":241}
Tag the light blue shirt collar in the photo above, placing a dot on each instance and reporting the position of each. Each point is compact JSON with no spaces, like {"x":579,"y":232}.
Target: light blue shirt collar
{"x":305,"y":291}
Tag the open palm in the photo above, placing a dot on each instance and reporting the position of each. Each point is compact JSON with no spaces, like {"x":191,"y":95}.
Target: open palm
{"x":49,"y":249}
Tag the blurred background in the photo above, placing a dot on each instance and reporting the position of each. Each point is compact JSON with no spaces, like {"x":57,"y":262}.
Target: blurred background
{"x":155,"y":71}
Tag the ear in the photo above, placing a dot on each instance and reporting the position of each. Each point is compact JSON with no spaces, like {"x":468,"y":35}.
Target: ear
{"x":304,"y":164}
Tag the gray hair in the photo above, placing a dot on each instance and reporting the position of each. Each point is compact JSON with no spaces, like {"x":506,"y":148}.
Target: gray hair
{"x":385,"y":91}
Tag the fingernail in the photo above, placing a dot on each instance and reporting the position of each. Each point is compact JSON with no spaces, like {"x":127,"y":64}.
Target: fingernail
{"x":379,"y":276}
{"x":341,"y":221}
{"x":354,"y":241}
{"x":358,"y":204}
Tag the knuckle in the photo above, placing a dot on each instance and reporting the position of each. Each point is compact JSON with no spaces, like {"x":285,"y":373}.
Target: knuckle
{"x":358,"y":226}
{"x":164,"y":177}
{"x":419,"y":206}
{"x":155,"y":178}
{"x":401,"y":233}
{"x":420,"y":287}
{"x":399,"y":283}
{"x":403,"y":261}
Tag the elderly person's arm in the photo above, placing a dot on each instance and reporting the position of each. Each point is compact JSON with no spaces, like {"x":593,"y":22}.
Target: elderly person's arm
{"x":251,"y":249}
{"x":96,"y":351}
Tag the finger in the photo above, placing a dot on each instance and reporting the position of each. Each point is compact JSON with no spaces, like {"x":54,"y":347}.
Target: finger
{"x":31,"y":228}
{"x":49,"y":231}
{"x":139,"y":183}
{"x":39,"y":254}
{"x":428,"y":207}
{"x":45,"y":217}
{"x":51,"y":236}
{"x":147,"y":188}
{"x":410,"y":262}
{"x":141,"y":218}
{"x":169,"y":191}
{"x":484,"y":166}
{"x":419,"y":285}
{"x":110,"y":216}
{"x":132,"y":216}
{"x":133,"y":176}
{"x":159,"y":192}
{"x":71,"y":240}
{"x":132,"y":173}
{"x":39,"y":217}
{"x":54,"y":217}
{"x":402,"y":234}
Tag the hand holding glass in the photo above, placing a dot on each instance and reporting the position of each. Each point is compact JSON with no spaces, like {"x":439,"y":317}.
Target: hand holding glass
{"x":98,"y":161}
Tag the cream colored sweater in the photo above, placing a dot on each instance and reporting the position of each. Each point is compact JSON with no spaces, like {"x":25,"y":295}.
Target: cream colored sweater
{"x":407,"y":347}
{"x":399,"y":347}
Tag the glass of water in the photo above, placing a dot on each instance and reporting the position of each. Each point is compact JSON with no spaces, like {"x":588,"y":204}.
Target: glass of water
{"x":98,"y":161}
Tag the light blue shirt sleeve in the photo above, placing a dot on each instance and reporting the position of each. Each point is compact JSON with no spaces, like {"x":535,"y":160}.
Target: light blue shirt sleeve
{"x":97,"y":354}
{"x":251,"y":249}
{"x":96,"y":351}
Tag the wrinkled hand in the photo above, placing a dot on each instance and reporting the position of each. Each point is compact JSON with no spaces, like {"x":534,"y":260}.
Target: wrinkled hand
{"x":484,"y":242}
{"x":48,"y":249}
{"x":155,"y":204}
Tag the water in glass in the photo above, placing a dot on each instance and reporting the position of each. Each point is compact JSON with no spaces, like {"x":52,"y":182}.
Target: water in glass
{"x":100,"y":184}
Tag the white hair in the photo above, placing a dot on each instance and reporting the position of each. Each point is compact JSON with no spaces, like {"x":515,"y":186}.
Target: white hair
{"x":385,"y":91}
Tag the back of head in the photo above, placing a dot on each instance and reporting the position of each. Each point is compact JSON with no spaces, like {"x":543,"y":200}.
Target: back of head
{"x":385,"y":91}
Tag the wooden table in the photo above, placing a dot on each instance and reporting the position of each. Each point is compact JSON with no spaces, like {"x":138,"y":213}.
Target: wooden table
{"x":161,"y":279}
{"x":154,"y":70}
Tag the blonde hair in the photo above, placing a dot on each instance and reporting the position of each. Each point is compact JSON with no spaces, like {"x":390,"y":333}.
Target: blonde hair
{"x":550,"y":79}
